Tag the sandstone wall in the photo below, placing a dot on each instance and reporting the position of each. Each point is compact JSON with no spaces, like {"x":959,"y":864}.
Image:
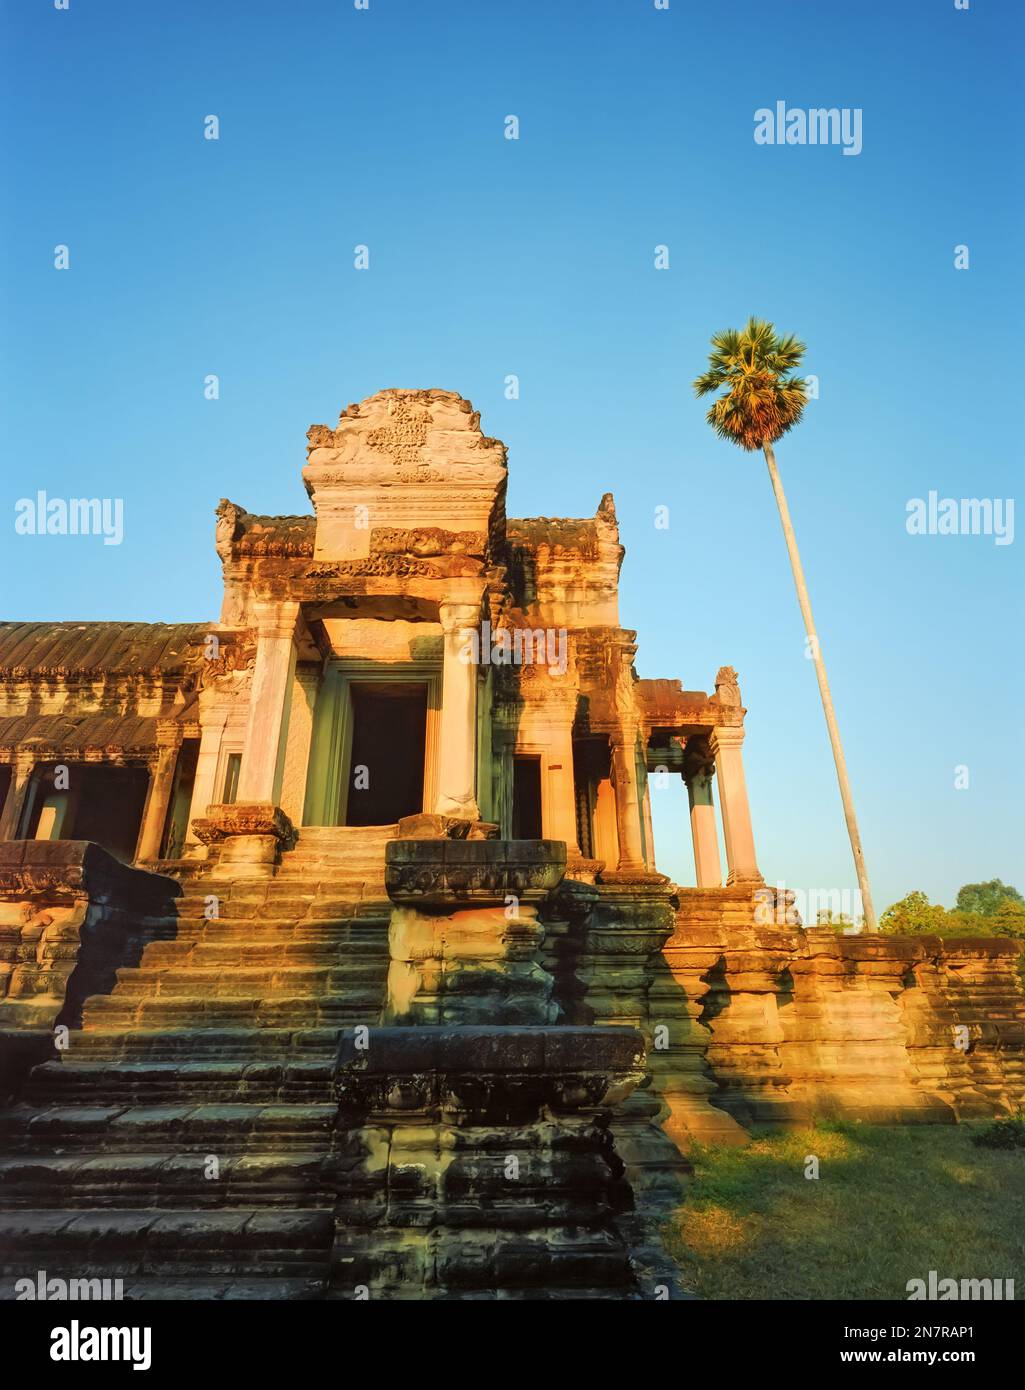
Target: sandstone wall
{"x":783,"y":1024}
{"x":70,"y":916}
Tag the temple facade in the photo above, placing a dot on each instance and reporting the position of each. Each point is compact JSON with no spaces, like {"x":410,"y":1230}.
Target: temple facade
{"x":335,"y":961}
{"x":403,"y":649}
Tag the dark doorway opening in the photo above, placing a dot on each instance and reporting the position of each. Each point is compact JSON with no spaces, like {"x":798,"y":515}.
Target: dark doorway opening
{"x":386,"y":768}
{"x":90,"y":801}
{"x":526,"y":799}
{"x":181,"y":799}
{"x":110,"y":809}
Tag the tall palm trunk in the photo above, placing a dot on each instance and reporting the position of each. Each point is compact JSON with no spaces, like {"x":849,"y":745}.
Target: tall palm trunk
{"x":827,"y":699}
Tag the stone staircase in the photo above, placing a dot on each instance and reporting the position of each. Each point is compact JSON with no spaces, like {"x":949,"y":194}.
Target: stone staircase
{"x":337,"y":854}
{"x":185,"y":1140}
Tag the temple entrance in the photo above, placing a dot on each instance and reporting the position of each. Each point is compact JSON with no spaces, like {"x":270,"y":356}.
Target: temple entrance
{"x":386,"y":762}
{"x":90,"y":801}
{"x":526,"y":817}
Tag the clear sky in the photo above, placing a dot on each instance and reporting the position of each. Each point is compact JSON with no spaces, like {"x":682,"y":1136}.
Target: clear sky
{"x":536,"y":257}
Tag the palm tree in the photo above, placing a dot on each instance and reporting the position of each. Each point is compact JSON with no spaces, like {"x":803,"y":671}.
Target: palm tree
{"x":765,"y":398}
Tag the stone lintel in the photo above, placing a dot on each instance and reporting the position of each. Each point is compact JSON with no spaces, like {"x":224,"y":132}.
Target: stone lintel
{"x":446,"y":872}
{"x":227,"y":820}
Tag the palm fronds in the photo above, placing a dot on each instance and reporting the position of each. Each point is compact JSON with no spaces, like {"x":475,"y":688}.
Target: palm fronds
{"x":764,"y":396}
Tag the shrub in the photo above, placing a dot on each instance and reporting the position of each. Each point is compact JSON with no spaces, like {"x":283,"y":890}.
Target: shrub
{"x":1002,"y":1134}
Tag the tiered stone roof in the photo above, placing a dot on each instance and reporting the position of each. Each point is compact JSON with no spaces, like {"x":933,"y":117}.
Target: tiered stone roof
{"x":58,"y":649}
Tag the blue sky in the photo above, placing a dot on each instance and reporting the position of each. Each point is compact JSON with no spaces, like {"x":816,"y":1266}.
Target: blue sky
{"x":535,"y":257}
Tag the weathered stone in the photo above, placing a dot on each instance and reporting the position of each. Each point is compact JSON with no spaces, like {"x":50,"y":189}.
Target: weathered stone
{"x":458,"y":1052}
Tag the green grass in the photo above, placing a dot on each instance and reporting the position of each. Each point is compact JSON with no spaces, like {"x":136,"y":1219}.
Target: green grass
{"x":890,"y":1204}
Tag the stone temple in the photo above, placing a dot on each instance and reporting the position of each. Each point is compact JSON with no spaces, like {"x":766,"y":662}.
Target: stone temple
{"x":335,"y":961}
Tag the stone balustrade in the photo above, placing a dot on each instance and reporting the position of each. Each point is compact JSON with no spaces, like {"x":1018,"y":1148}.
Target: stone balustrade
{"x":70,"y":916}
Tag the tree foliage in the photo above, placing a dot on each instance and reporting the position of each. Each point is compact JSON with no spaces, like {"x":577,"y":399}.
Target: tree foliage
{"x":912,"y":916}
{"x":915,"y":915}
{"x":764,"y":395}
{"x":987,"y":898}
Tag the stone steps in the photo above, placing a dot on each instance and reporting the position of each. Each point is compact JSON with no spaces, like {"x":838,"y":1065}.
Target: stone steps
{"x":306,"y":886}
{"x":208,"y":1044}
{"x":183,"y":1125}
{"x":221,"y":1042}
{"x":350,"y":854}
{"x":102,"y":1081}
{"x":256,"y":929}
{"x":305,"y":881}
{"x":240,"y":954}
{"x":193,"y":1013}
{"x":185,"y":1243}
{"x":248,"y":1287}
{"x":167,"y":1179}
{"x":277,"y":980}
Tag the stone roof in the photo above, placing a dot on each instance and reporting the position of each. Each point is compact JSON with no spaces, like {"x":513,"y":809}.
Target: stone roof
{"x":55,"y":649}
{"x":69,"y":735}
{"x":275,"y":535}
{"x":566,"y":533}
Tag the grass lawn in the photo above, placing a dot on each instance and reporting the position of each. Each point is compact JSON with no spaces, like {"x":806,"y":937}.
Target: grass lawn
{"x":889,"y":1205}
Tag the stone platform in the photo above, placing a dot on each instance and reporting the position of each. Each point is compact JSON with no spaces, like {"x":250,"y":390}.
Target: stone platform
{"x":782,"y":1025}
{"x":368,"y":1074}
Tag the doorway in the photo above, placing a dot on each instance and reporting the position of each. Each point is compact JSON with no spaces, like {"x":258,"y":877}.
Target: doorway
{"x":386,"y":762}
{"x":102,"y":802}
{"x":526,"y":817}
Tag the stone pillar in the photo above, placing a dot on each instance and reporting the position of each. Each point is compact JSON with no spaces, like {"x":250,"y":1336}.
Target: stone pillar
{"x":158,"y":796}
{"x":628,"y":801}
{"x":269,"y":700}
{"x":305,"y":687}
{"x":205,"y":791}
{"x":457,"y":755}
{"x":503,"y":741}
{"x":562,"y":800}
{"x":725,"y":743}
{"x":698,"y":768}
{"x":605,"y":837}
{"x":14,"y":802}
{"x":649,"y":828}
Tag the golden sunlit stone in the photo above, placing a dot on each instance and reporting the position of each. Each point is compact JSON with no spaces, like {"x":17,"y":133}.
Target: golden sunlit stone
{"x":368,"y":980}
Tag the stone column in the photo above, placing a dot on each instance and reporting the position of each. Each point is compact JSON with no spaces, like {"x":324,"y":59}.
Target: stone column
{"x":562,"y":798}
{"x":204,"y":789}
{"x":14,"y":802}
{"x":698,"y":767}
{"x":725,"y":743}
{"x":269,"y":699}
{"x":628,"y":801}
{"x":649,"y":828}
{"x":158,"y":796}
{"x":457,"y":755}
{"x":305,"y":687}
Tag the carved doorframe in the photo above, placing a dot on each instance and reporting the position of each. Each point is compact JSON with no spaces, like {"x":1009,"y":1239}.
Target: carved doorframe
{"x":331,"y":746}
